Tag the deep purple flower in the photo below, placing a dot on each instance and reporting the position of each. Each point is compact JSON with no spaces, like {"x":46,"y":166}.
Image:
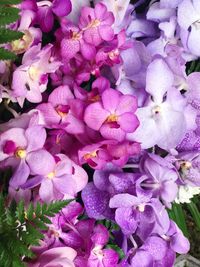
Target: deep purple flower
{"x":47,"y":10}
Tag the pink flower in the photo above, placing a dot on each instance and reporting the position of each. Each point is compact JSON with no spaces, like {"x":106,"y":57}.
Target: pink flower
{"x":60,"y":177}
{"x":96,"y":24}
{"x":63,"y":111}
{"x":30,"y":79}
{"x":73,"y":43}
{"x":113,"y":116}
{"x":62,"y":257}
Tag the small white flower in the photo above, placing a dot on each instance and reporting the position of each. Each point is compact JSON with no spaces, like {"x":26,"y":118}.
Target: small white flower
{"x":186,"y":193}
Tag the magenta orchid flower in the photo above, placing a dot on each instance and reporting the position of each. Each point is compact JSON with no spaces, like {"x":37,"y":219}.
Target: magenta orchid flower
{"x":96,"y":24}
{"x":17,"y":148}
{"x":110,"y":53}
{"x":73,"y":42}
{"x":114,"y":116}
{"x":31,"y":78}
{"x":63,"y":111}
{"x":47,"y":10}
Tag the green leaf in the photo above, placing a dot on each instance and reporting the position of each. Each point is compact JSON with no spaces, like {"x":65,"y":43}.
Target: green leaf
{"x":6,"y":54}
{"x":8,"y":15}
{"x":10,"y":2}
{"x":7,"y":35}
{"x":177,"y":214}
{"x":194,"y":212}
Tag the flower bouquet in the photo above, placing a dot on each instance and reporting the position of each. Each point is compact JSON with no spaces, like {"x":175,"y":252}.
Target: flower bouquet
{"x":99,"y":131}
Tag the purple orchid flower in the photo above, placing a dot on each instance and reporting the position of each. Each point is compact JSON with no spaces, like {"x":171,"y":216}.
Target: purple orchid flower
{"x":31,"y":78}
{"x":188,"y":165}
{"x":189,"y":19}
{"x":63,"y":111}
{"x":96,"y":24}
{"x":17,"y":148}
{"x":161,"y":178}
{"x":47,"y":10}
{"x":57,"y":179}
{"x":162,"y":113}
{"x":141,"y":211}
{"x":114,"y":116}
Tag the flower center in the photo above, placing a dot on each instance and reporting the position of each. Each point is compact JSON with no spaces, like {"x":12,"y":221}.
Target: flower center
{"x":185,"y":165}
{"x":98,"y":252}
{"x":20,"y":153}
{"x":141,"y":207}
{"x":94,"y":23}
{"x":113,"y":54}
{"x":76,"y":36}
{"x":51,"y":175}
{"x":112,"y":118}
{"x":21,"y":45}
{"x":156,"y":110}
{"x":62,"y":110}
{"x":90,"y":155}
{"x":34,"y":73}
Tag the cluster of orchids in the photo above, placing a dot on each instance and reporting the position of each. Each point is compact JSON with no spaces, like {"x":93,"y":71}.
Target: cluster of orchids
{"x":99,"y":107}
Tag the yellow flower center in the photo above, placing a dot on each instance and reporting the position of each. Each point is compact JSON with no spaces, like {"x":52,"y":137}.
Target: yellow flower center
{"x":20,"y":153}
{"x":21,"y":45}
{"x":51,"y":175}
{"x":90,"y":155}
{"x":34,"y":73}
{"x":112,"y":118}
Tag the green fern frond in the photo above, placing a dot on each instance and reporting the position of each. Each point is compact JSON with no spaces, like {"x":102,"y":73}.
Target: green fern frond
{"x":6,"y":54}
{"x":10,"y":2}
{"x":8,"y":15}
{"x":21,"y":227}
{"x":7,"y":35}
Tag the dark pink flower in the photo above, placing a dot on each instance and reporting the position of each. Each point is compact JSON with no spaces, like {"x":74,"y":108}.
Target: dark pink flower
{"x":96,"y":24}
{"x":113,"y":116}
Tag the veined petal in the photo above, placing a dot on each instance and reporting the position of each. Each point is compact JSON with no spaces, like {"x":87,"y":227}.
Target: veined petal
{"x":157,"y":85}
{"x":95,"y":115}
